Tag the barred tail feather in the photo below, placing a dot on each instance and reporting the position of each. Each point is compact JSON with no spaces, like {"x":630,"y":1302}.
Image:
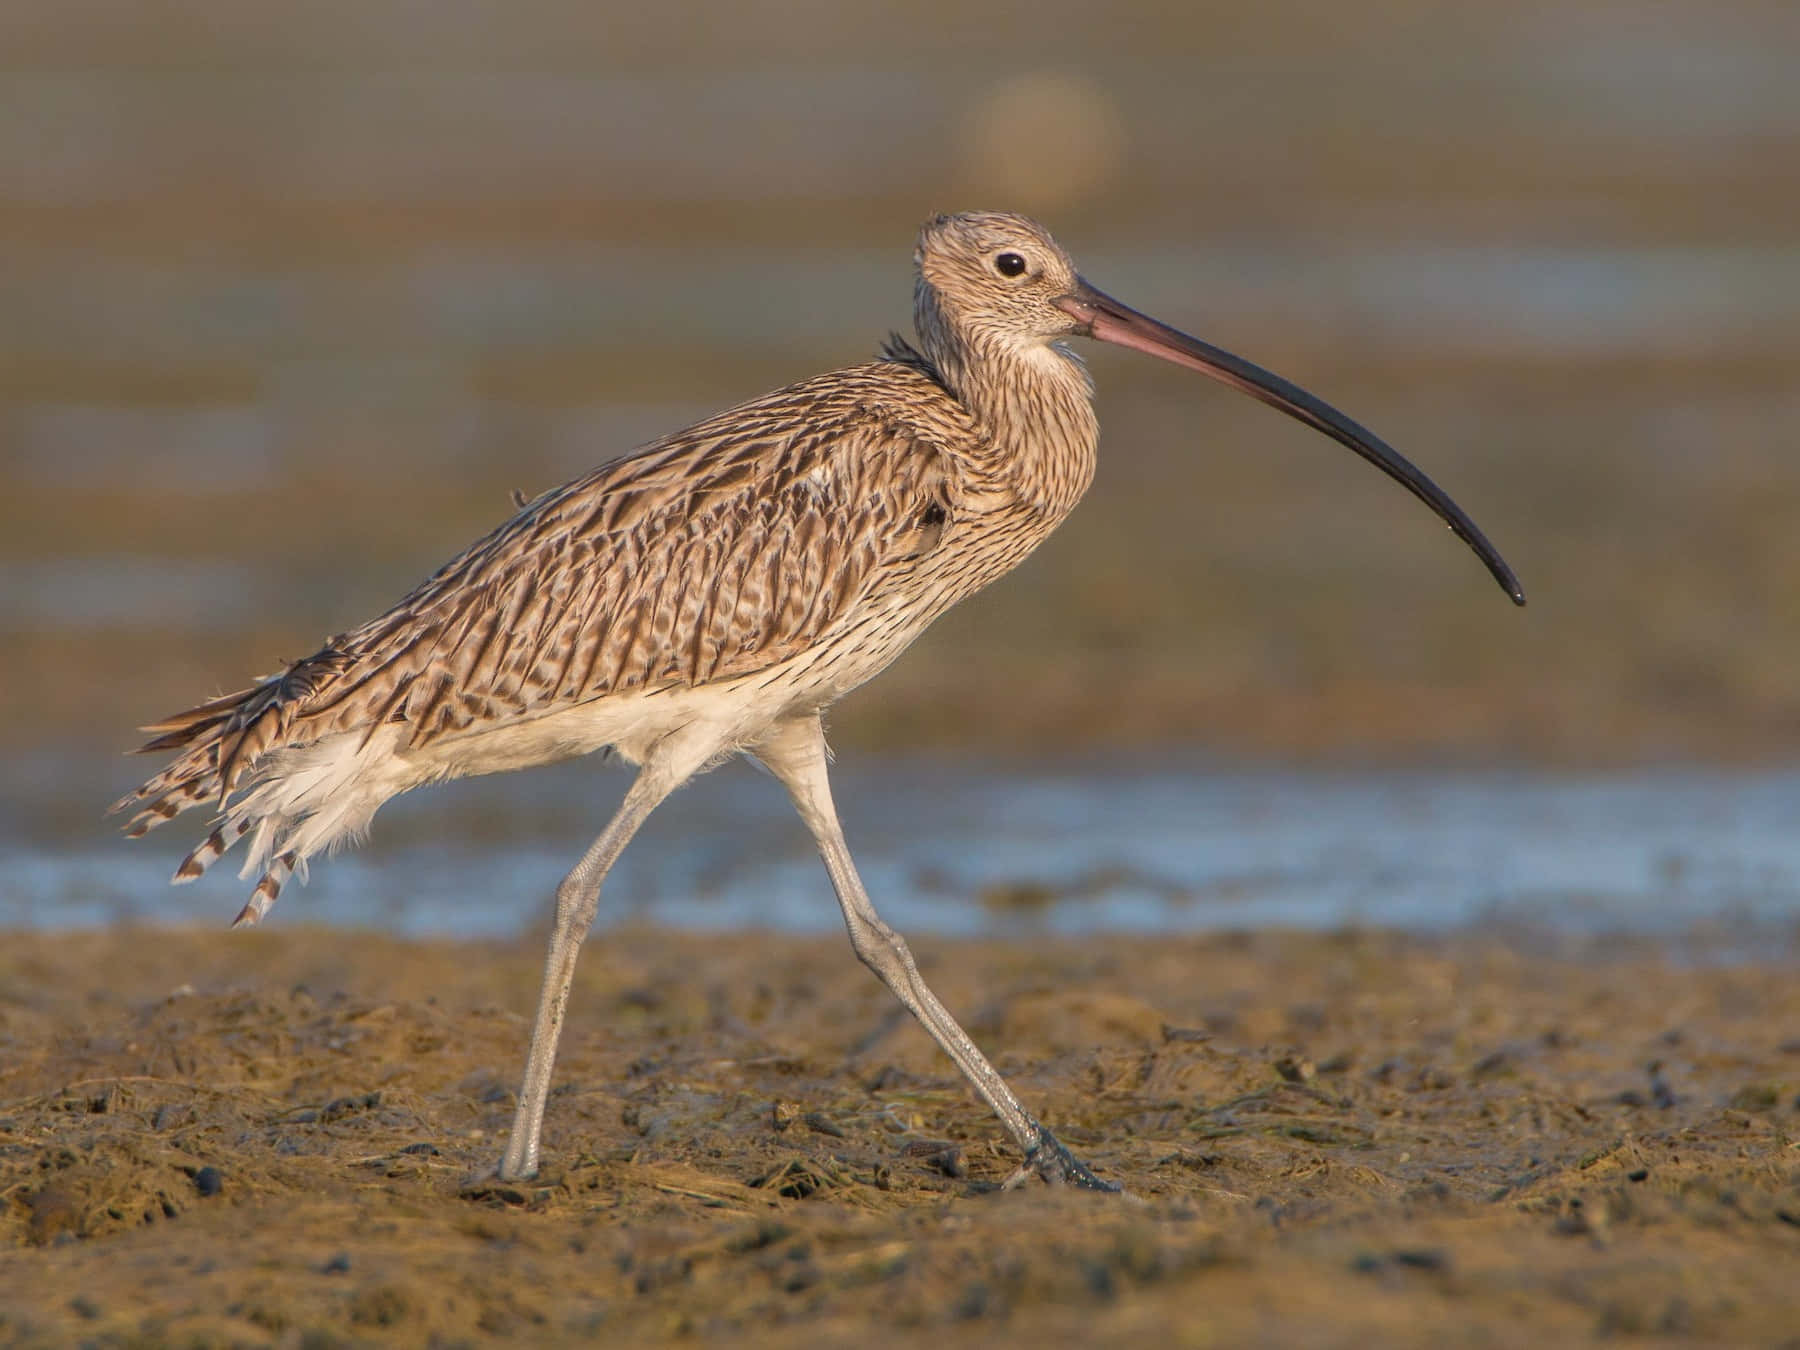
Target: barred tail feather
{"x":194,"y":778}
{"x":296,"y":799}
{"x":185,"y":784}
{"x":263,"y":898}
{"x":165,"y":807}
{"x":217,"y":845}
{"x":305,"y":800}
{"x":184,"y":727}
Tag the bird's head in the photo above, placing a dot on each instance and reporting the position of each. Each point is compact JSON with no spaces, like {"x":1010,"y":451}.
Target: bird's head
{"x":993,"y":280}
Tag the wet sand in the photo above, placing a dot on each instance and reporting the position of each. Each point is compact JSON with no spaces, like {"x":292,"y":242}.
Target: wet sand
{"x":1359,"y":1139}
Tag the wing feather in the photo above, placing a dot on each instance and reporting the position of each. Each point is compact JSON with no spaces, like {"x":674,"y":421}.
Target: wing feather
{"x":716,"y":553}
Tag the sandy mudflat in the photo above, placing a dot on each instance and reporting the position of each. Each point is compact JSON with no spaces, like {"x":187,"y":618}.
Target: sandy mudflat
{"x":267,"y":1138}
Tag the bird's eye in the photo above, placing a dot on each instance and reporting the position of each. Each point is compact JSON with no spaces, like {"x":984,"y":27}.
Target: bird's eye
{"x":1009,"y":264}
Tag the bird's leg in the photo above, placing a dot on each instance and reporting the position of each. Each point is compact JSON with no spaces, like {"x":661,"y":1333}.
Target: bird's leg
{"x":577,"y":901}
{"x":795,"y":753}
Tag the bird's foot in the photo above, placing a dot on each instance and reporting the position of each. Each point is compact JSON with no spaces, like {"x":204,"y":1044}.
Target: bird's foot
{"x":1050,"y":1160}
{"x":493,"y":1183}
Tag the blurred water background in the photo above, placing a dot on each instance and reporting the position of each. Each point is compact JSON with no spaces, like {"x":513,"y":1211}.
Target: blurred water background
{"x":293,"y":297}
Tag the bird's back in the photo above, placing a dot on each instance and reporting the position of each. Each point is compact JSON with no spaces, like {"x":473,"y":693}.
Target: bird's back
{"x":740,"y":545}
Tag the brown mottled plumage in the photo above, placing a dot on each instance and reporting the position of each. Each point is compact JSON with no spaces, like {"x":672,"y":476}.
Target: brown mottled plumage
{"x":711,"y":593}
{"x":717,"y":552}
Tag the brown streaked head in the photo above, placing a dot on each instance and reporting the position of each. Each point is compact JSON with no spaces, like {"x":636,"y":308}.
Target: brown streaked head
{"x":992,"y":276}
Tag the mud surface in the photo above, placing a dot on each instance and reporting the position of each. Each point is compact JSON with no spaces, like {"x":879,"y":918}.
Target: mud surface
{"x":270,"y":1138}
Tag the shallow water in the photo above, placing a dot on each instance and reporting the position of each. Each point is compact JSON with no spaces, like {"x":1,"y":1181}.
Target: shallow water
{"x":974,"y":849}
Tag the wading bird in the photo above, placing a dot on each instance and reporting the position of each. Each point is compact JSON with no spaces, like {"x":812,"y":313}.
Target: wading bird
{"x":714,"y":593}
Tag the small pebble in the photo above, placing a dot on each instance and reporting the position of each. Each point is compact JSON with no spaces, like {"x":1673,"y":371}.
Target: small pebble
{"x":939,"y":1155}
{"x":1422,"y":1258}
{"x":1172,"y":1034}
{"x":1296,"y":1068}
{"x":209,"y":1181}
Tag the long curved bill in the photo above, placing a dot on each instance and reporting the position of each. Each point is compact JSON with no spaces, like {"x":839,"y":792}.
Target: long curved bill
{"x":1107,"y":320}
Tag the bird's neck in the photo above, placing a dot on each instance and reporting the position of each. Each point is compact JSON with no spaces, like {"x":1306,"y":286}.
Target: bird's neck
{"x":1036,"y":405}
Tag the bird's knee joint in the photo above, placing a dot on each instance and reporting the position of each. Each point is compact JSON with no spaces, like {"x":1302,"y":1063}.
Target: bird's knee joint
{"x":576,"y":906}
{"x":879,"y":948}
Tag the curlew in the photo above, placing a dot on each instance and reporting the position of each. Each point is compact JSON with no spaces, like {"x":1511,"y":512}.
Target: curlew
{"x":714,"y":593}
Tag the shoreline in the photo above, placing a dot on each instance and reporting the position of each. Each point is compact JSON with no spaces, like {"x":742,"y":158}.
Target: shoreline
{"x":1328,"y":1139}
